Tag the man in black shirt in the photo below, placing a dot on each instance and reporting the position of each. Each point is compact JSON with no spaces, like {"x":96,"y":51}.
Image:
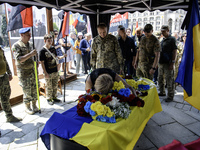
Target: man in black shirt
{"x":166,"y":64}
{"x":127,"y":45}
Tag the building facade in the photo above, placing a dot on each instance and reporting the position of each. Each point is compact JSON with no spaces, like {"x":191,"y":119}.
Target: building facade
{"x":158,"y":18}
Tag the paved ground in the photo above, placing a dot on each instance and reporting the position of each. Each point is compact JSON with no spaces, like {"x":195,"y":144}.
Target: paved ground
{"x":178,"y":120}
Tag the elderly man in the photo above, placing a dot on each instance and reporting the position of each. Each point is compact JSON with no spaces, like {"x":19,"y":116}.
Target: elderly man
{"x":106,"y":52}
{"x":148,"y":54}
{"x":166,"y":64}
{"x":24,"y":52}
{"x":5,"y":91}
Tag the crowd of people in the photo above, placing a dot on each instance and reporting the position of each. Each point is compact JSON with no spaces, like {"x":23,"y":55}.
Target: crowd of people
{"x":156,"y":57}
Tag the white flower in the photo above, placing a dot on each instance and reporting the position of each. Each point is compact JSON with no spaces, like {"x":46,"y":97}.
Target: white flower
{"x":114,"y":103}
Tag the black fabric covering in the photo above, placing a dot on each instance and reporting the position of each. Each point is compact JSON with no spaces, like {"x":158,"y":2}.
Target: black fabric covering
{"x":104,"y":18}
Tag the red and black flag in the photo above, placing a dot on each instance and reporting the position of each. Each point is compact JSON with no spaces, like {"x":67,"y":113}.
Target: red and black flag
{"x":64,"y":28}
{"x":80,"y":24}
{"x":20,"y":17}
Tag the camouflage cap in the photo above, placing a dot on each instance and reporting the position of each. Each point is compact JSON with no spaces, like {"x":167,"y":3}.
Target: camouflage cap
{"x":148,"y":28}
{"x":164,"y":27}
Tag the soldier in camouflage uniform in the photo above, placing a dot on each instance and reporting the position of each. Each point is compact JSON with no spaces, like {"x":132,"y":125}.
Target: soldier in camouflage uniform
{"x":179,"y":54}
{"x":148,"y":54}
{"x":166,"y":64}
{"x":5,"y":91}
{"x":23,"y":52}
{"x":106,"y":52}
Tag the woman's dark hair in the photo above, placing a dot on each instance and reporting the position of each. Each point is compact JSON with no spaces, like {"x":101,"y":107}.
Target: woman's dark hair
{"x":80,"y":39}
{"x":181,"y":40}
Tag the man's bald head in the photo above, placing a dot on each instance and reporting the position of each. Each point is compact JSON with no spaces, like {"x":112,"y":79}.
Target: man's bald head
{"x":139,"y":31}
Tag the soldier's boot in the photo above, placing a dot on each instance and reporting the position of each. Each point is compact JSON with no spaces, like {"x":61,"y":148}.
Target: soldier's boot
{"x":28,"y":109}
{"x":35,"y":109}
{"x":11,"y":118}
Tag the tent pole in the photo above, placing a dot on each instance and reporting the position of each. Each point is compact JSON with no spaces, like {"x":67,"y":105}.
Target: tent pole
{"x":97,"y":16}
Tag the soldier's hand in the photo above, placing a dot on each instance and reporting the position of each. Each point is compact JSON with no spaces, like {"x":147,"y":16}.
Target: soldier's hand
{"x":10,"y":77}
{"x":151,"y":71}
{"x":65,"y":55}
{"x":88,"y":49}
{"x":33,"y":52}
{"x":46,"y":75}
{"x":171,"y":66}
{"x":135,"y":65}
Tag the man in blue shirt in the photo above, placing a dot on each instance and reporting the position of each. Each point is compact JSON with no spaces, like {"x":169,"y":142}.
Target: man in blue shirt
{"x":127,"y":45}
{"x":85,"y":47}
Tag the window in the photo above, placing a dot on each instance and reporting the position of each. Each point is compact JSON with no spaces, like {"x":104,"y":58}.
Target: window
{"x":157,"y":23}
{"x":157,"y":18}
{"x":145,"y":19}
{"x":151,"y":18}
{"x":139,"y":19}
{"x":151,"y":13}
{"x":134,"y":20}
{"x":157,"y":28}
{"x":151,"y":23}
{"x":146,"y":14}
{"x":139,"y":14}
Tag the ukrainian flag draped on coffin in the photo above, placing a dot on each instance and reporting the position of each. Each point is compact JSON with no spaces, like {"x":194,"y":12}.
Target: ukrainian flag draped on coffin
{"x":189,"y":69}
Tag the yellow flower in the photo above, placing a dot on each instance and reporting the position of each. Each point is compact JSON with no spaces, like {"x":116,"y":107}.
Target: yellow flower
{"x":96,"y":96}
{"x":100,"y":109}
{"x":94,"y":105}
{"x":115,"y":85}
{"x":110,"y":114}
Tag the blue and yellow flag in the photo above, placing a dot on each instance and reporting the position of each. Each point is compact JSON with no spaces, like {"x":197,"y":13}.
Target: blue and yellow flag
{"x":189,"y":69}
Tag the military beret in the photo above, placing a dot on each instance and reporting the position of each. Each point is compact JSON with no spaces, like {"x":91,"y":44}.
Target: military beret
{"x":24,"y":30}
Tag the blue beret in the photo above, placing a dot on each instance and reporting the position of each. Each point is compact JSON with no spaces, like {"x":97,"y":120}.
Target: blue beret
{"x":24,"y":30}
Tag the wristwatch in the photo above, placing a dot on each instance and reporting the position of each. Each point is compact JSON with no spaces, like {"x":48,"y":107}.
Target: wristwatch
{"x":173,"y":61}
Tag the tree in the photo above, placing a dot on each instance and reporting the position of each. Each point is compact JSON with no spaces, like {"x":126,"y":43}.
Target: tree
{"x":3,"y":31}
{"x":55,"y":27}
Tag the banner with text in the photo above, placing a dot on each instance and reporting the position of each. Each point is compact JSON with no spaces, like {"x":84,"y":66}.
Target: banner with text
{"x":118,"y":20}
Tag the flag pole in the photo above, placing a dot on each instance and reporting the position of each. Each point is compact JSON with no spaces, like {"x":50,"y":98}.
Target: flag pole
{"x":65,"y":69}
{"x":36,"y":72}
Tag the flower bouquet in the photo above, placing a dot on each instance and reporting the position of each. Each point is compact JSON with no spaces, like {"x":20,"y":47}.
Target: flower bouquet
{"x":116,"y":104}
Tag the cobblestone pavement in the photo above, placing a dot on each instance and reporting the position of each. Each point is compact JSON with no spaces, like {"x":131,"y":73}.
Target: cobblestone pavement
{"x":178,"y":120}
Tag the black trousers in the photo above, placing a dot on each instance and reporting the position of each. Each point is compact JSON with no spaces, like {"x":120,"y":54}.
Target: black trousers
{"x":86,"y":61}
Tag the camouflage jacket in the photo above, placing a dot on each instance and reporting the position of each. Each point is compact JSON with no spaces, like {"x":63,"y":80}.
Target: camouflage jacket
{"x":106,"y":53}
{"x":4,"y":67}
{"x":179,"y":51}
{"x":147,"y":49}
{"x":20,"y":49}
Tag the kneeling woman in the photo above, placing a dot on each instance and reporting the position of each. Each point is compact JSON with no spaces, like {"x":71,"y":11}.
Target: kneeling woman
{"x":102,"y":81}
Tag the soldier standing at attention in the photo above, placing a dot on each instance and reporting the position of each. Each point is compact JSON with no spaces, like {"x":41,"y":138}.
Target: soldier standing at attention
{"x":5,"y":91}
{"x":166,"y":64}
{"x":24,"y":52}
{"x":106,"y":52}
{"x":148,"y":54}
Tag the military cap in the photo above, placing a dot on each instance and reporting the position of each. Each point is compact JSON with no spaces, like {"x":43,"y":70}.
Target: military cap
{"x":164,"y":27}
{"x":24,"y":30}
{"x":148,"y":28}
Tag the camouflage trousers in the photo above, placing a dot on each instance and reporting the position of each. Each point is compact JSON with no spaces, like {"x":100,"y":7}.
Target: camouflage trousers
{"x":176,"y":69}
{"x":28,"y":85}
{"x":5,"y":92}
{"x":163,"y":70}
{"x":52,"y":85}
{"x":143,"y":71}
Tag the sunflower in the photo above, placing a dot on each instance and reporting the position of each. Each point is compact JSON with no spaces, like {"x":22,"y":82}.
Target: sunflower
{"x":97,"y":97}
